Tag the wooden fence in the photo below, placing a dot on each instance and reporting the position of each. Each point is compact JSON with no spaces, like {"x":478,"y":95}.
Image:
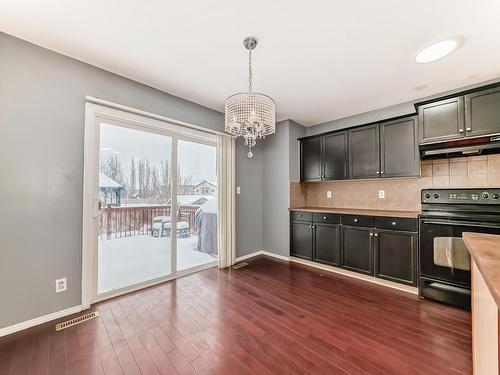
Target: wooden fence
{"x":116,"y":222}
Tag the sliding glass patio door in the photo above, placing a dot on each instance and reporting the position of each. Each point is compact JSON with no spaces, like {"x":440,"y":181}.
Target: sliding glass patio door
{"x":154,"y":204}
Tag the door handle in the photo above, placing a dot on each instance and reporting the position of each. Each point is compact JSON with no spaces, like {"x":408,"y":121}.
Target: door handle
{"x":98,"y":207}
{"x":462,"y":223}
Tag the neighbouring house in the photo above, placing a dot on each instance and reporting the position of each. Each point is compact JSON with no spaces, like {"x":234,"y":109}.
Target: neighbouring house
{"x":205,"y":187}
{"x":110,"y":190}
{"x":191,"y":199}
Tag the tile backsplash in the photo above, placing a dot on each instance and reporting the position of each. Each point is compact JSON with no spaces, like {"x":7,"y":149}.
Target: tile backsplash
{"x":400,"y":193}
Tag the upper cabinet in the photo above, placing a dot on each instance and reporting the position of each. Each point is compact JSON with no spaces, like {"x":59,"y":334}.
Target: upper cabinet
{"x":399,"y":154}
{"x":441,"y":120}
{"x":364,"y":152}
{"x":310,"y":159}
{"x":472,"y":115}
{"x":324,"y":157}
{"x":482,"y":112}
{"x":335,"y":156}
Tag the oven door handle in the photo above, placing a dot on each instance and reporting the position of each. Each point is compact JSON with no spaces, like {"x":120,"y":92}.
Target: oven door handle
{"x":463,"y":223}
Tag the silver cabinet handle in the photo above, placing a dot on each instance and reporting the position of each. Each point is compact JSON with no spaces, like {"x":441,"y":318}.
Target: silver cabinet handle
{"x":376,"y":234}
{"x":324,"y":217}
{"x":371,"y":233}
{"x":382,"y":172}
{"x":393,"y":223}
{"x":468,"y":129}
{"x":355,"y":220}
{"x":460,"y":130}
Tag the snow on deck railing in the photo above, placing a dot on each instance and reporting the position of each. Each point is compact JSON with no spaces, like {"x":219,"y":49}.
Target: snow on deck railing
{"x":118,"y":222}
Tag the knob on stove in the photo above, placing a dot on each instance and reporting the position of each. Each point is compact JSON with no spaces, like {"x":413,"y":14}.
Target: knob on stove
{"x":427,"y":196}
{"x":485,"y":195}
{"x":435,"y":195}
{"x":495,"y":196}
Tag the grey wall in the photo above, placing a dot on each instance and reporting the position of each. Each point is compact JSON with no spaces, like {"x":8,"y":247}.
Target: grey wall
{"x":275,"y":191}
{"x":384,"y":113}
{"x":41,"y":158}
{"x":249,"y":175}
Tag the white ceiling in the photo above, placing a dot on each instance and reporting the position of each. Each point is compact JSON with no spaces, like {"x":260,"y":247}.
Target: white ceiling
{"x":320,"y":60}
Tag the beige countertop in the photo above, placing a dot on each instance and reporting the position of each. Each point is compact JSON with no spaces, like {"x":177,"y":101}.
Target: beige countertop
{"x":485,"y":250}
{"x":355,"y":211}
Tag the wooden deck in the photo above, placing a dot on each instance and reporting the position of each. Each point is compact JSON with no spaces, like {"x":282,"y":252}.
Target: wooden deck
{"x":270,"y":317}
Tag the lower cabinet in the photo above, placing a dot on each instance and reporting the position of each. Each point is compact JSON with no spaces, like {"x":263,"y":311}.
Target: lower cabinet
{"x":301,"y":239}
{"x":377,"y":246}
{"x":357,"y":249}
{"x":396,"y":256}
{"x":326,"y":242}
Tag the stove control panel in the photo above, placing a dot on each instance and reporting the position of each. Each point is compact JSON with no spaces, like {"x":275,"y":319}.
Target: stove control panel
{"x":464,"y":196}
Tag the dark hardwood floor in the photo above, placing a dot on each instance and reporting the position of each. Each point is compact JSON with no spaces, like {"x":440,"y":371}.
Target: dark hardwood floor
{"x":270,"y":317}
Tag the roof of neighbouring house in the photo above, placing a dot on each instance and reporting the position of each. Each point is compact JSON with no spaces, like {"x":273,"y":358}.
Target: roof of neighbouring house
{"x":107,"y":182}
{"x":188,"y":199}
{"x":213,"y":183}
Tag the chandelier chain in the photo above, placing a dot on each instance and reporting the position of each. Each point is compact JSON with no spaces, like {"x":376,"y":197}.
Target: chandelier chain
{"x":250,"y":71}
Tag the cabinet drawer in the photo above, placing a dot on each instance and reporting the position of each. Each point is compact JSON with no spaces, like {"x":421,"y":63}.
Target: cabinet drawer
{"x":326,"y":218}
{"x":396,"y":223}
{"x":300,"y":216}
{"x":357,"y":220}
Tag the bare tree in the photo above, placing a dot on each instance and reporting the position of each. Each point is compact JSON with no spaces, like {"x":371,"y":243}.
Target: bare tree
{"x":132,"y":181}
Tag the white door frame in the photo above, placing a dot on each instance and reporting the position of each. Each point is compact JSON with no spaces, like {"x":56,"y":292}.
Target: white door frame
{"x":127,"y":117}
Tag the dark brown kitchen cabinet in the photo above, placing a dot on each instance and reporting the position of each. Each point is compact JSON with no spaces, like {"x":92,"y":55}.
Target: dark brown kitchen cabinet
{"x":442,"y":120}
{"x":399,"y":155}
{"x":301,"y":239}
{"x":482,"y":112}
{"x":326,"y":243}
{"x":396,"y":256}
{"x":357,"y":249}
{"x":310,"y":159}
{"x":335,"y":156}
{"x":364,"y":152}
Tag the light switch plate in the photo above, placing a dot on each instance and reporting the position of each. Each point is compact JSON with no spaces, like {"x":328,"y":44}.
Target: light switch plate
{"x":238,"y":190}
{"x":381,"y":194}
{"x":328,"y":194}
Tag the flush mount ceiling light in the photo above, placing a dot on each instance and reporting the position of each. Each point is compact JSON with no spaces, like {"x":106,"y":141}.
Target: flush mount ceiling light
{"x":438,"y":50}
{"x":249,"y":114}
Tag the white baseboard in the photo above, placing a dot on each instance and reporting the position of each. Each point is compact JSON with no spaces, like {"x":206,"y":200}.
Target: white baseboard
{"x":263,"y":252}
{"x":371,"y":279}
{"x":40,"y":320}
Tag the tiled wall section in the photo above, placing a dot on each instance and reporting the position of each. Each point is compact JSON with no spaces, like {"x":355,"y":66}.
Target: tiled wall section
{"x":400,"y":193}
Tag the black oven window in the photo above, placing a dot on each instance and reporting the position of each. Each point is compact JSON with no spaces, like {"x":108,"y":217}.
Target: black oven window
{"x":451,"y":252}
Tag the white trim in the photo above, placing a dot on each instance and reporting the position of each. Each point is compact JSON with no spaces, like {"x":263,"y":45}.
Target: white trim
{"x":131,"y":110}
{"x":263,"y":252}
{"x":40,"y":320}
{"x":371,"y":279}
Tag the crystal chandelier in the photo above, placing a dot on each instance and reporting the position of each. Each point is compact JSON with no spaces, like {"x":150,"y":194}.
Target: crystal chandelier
{"x":249,"y":114}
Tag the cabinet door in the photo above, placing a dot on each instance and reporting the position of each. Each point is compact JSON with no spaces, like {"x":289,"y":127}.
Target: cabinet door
{"x":326,"y":243}
{"x":441,"y":120}
{"x":310,"y":159}
{"x":399,"y":156}
{"x":335,"y":156}
{"x":301,"y":240}
{"x":364,"y":152}
{"x":395,"y":256}
{"x":357,"y":249}
{"x":482,"y":112}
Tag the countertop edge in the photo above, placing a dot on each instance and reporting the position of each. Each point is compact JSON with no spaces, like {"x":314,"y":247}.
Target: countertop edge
{"x":359,"y":211}
{"x":493,"y":287}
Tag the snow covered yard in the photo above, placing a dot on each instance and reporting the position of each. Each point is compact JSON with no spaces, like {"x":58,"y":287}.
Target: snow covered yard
{"x":131,"y":260}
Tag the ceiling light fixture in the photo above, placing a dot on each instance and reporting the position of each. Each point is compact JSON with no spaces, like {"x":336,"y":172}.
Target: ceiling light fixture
{"x":249,"y":114}
{"x":437,"y":50}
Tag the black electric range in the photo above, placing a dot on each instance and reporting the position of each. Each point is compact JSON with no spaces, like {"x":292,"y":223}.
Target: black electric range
{"x":445,"y":263}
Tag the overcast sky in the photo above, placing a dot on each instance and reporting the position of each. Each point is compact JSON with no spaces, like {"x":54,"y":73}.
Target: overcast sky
{"x":194,"y":159}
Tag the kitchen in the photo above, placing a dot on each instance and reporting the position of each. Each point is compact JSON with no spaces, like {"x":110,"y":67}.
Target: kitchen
{"x":389,"y":202}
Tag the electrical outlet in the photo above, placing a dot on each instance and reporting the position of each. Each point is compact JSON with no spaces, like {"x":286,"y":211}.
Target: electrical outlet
{"x":238,"y":190}
{"x":61,"y":285}
{"x":328,"y":194}
{"x":381,"y":194}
